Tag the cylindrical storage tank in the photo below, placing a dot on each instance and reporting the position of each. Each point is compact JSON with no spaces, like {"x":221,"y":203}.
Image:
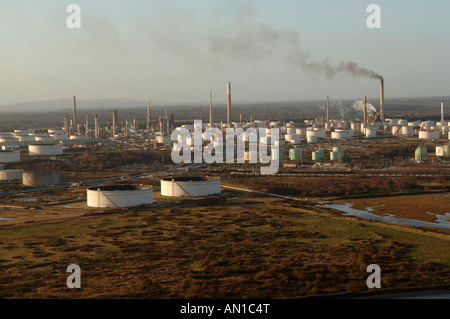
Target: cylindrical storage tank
{"x":407,"y":130}
{"x":278,"y":155}
{"x":315,"y":156}
{"x":40,"y":178}
{"x":296,"y":141}
{"x":300,"y":131}
{"x":446,"y":150}
{"x":295,"y":154}
{"x":55,"y":131}
{"x":311,"y":139}
{"x":118,"y":196}
{"x":59,"y":137}
{"x":8,"y":139}
{"x":371,"y":132}
{"x":321,"y":153}
{"x":334,"y":156}
{"x":79,"y":137}
{"x":395,"y":130}
{"x":339,"y":150}
{"x":41,"y":138}
{"x":45,"y":149}
{"x":9,"y":156}
{"x":289,"y":137}
{"x":421,"y":153}
{"x":440,"y":151}
{"x":429,"y":135}
{"x":190,"y":186}
{"x":26,"y":138}
{"x":340,"y":135}
{"x":11,"y":175}
{"x":291,"y":130}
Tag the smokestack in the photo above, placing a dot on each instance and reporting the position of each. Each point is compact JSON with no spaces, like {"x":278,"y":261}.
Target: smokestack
{"x":96,"y":127}
{"x":269,"y":117}
{"x":228,"y":104}
{"x":87,"y":123}
{"x":66,"y":125}
{"x":365,"y":110}
{"x":74,"y":118}
{"x":442,"y":112}
{"x":328,"y":108}
{"x":382,"y":99}
{"x":210,"y":108}
{"x":148,"y":116}
{"x":114,"y":120}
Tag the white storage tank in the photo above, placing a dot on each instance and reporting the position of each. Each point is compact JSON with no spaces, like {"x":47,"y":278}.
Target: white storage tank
{"x":311,"y":139}
{"x":190,"y":186}
{"x":429,"y":135}
{"x":9,"y":156}
{"x":407,"y":130}
{"x":119,"y":196}
{"x":371,"y":132}
{"x":340,"y":135}
{"x":40,"y":178}
{"x":45,"y":149}
{"x":11,"y":175}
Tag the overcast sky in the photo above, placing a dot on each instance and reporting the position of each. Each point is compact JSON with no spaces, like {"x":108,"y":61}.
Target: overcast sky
{"x":176,"y":51}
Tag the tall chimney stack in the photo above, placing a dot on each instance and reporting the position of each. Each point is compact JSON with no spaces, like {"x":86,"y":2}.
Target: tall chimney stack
{"x":96,"y":127}
{"x":442,"y":112}
{"x":114,"y":121}
{"x":87,"y":123}
{"x":382,"y":99}
{"x":228,"y":104}
{"x":210,"y":108}
{"x":328,"y":108}
{"x":365,"y":110}
{"x":74,"y":118}
{"x":148,"y":116}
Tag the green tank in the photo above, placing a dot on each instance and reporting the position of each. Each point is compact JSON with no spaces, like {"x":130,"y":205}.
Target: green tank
{"x":295,"y":154}
{"x":421,"y":153}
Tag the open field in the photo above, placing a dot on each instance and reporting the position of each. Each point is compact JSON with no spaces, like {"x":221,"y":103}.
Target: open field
{"x":241,"y":247}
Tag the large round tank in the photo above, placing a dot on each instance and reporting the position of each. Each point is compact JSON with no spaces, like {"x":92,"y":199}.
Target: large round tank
{"x":440,"y":151}
{"x":395,"y":129}
{"x":371,"y":132}
{"x":446,"y":150}
{"x":315,"y":156}
{"x":421,"y":153}
{"x":291,"y":130}
{"x":407,"y":130}
{"x":9,"y":156}
{"x":278,"y":156}
{"x":45,"y":149}
{"x":339,"y":150}
{"x":429,"y":135}
{"x":334,"y":156}
{"x":11,"y":175}
{"x":119,"y":196}
{"x":311,"y":139}
{"x":190,"y":186}
{"x":295,"y":154}
{"x":40,"y":178}
{"x":340,"y":135}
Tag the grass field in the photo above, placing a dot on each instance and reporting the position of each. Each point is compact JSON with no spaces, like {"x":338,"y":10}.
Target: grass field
{"x":238,"y":248}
